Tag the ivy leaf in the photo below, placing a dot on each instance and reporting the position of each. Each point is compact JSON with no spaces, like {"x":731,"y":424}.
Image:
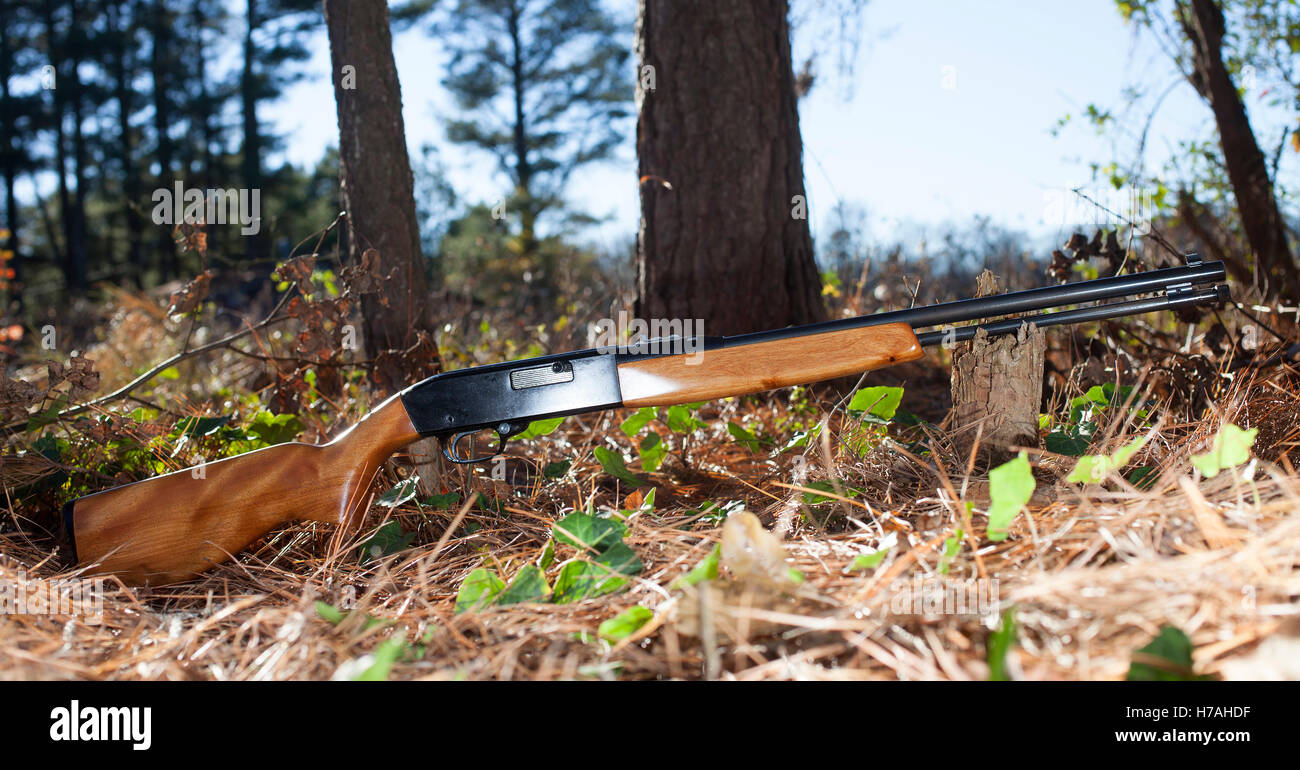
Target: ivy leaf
{"x":810,"y":498}
{"x":743,"y":437}
{"x":652,"y":451}
{"x":680,"y":419}
{"x":540,"y":428}
{"x":1066,"y":443}
{"x":614,"y":465}
{"x":388,"y":539}
{"x":1231,"y":448}
{"x":880,"y":402}
{"x":621,"y":559}
{"x":1011,"y":484}
{"x":443,"y":501}
{"x":1168,"y":658}
{"x":529,"y":585}
{"x":330,"y":613}
{"x":199,"y":426}
{"x":580,"y":580}
{"x":589,"y":533}
{"x":624,"y":624}
{"x":405,"y":491}
{"x":707,"y":569}
{"x":385,"y":655}
{"x":479,"y":589}
{"x":1093,"y":469}
{"x":275,"y":428}
{"x":633,"y":425}
{"x":556,"y":470}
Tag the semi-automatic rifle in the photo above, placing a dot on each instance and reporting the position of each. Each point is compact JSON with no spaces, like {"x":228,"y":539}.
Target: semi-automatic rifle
{"x":174,"y":526}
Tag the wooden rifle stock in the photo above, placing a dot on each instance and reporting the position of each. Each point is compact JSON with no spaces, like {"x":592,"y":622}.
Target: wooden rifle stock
{"x":172,"y":527}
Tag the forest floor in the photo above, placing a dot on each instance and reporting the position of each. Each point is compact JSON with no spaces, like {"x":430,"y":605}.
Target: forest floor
{"x":874,"y":558}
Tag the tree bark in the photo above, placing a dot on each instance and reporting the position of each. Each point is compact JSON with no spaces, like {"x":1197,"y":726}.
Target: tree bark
{"x":1247,"y":168}
{"x":997,"y":385}
{"x":168,"y":264}
{"x":378,"y":191}
{"x":728,"y":242}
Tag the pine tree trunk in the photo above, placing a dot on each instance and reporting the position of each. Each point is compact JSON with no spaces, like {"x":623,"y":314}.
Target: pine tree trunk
{"x":1247,"y":168}
{"x":378,"y":192}
{"x":168,"y":265}
{"x":729,"y":242}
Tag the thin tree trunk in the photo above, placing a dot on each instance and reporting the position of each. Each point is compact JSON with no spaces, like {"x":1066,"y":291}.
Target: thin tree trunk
{"x":729,"y":241}
{"x":378,"y":191}
{"x":10,"y":162}
{"x":77,"y":233}
{"x":60,"y":144}
{"x":168,"y":265}
{"x":1247,"y":168}
{"x":123,"y":66}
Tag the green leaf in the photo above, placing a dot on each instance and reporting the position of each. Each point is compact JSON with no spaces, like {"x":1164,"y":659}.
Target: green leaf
{"x":275,"y":428}
{"x":580,"y":580}
{"x":1065,"y":443}
{"x":652,"y":451}
{"x":405,"y":491}
{"x":633,"y":425}
{"x":621,"y":559}
{"x":1172,"y":651}
{"x":951,"y":547}
{"x":529,"y":585}
{"x":879,"y":401}
{"x":170,"y":373}
{"x":680,"y":419}
{"x":615,"y":466}
{"x":199,"y":426}
{"x":999,"y":644}
{"x":444,"y":501}
{"x":1093,"y":469}
{"x":1142,"y":476}
{"x":794,"y":576}
{"x":869,"y":560}
{"x":624,"y":624}
{"x":540,"y":428}
{"x":707,"y":569}
{"x":330,"y":613}
{"x":479,"y":589}
{"x":556,"y":470}
{"x":1011,"y":484}
{"x":388,"y":539}
{"x":385,"y":655}
{"x":589,"y":533}
{"x":547,"y":557}
{"x":1231,"y":448}
{"x":810,"y":498}
{"x":743,"y":437}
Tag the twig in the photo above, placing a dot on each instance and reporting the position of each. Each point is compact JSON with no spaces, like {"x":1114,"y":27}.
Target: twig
{"x":126,"y":389}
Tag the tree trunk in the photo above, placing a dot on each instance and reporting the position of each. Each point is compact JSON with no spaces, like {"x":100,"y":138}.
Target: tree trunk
{"x":123,"y":68}
{"x":1247,"y":168}
{"x":10,"y":155}
{"x":721,"y":127}
{"x":997,"y":385}
{"x":78,"y":263}
{"x":257,"y":243}
{"x":168,"y":265}
{"x":378,"y":191}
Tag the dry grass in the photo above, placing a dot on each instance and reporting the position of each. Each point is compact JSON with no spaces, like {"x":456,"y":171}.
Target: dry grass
{"x":1092,"y":572}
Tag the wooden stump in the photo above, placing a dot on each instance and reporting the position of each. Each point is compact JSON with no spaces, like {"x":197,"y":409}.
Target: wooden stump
{"x":997,"y":382}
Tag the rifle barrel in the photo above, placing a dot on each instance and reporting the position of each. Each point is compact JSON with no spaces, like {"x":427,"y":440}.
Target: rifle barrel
{"x":1189,"y":276}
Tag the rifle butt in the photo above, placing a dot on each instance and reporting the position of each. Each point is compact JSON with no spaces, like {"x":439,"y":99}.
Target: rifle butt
{"x":172,"y":527}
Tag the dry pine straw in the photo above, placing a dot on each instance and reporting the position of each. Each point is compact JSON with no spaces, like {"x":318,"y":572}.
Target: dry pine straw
{"x":1093,"y":572}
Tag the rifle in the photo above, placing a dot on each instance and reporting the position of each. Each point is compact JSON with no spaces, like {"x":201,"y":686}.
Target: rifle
{"x":174,"y":526}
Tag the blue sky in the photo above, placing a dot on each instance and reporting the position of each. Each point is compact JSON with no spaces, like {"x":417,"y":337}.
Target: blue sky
{"x":948,"y":115}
